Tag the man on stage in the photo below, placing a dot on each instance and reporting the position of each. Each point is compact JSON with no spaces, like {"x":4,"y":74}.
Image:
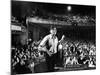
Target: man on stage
{"x":49,"y":45}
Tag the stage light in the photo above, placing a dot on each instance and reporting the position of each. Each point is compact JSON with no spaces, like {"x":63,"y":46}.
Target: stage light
{"x":69,"y":8}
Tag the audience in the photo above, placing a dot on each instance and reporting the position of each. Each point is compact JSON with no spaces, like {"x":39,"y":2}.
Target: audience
{"x":74,"y":53}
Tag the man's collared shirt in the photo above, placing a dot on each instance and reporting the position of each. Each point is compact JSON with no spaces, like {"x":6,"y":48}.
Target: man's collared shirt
{"x":52,"y":41}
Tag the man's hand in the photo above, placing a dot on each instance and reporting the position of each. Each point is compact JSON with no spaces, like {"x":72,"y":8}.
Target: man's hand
{"x":44,"y":49}
{"x":49,"y":53}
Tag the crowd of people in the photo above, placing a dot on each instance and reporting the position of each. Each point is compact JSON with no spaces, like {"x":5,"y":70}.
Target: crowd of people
{"x":73,"y":53}
{"x":24,"y":58}
{"x":69,"y":19}
{"x":79,"y":53}
{"x":78,"y":19}
{"x":69,"y":52}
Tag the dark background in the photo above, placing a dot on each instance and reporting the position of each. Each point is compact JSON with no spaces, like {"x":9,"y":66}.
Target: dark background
{"x":21,"y":10}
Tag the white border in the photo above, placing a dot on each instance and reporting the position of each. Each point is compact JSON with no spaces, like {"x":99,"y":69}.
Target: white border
{"x":85,"y":2}
{"x":5,"y":36}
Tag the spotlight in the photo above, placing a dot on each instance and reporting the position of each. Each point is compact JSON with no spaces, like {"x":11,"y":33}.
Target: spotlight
{"x":69,"y":8}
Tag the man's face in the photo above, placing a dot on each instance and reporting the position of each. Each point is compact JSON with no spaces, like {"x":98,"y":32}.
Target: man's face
{"x":53,"y":31}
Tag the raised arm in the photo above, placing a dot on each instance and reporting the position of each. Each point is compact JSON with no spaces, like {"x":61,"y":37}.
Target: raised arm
{"x":63,"y":36}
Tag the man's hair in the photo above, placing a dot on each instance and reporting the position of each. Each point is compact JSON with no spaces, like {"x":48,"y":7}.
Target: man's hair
{"x":53,"y":27}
